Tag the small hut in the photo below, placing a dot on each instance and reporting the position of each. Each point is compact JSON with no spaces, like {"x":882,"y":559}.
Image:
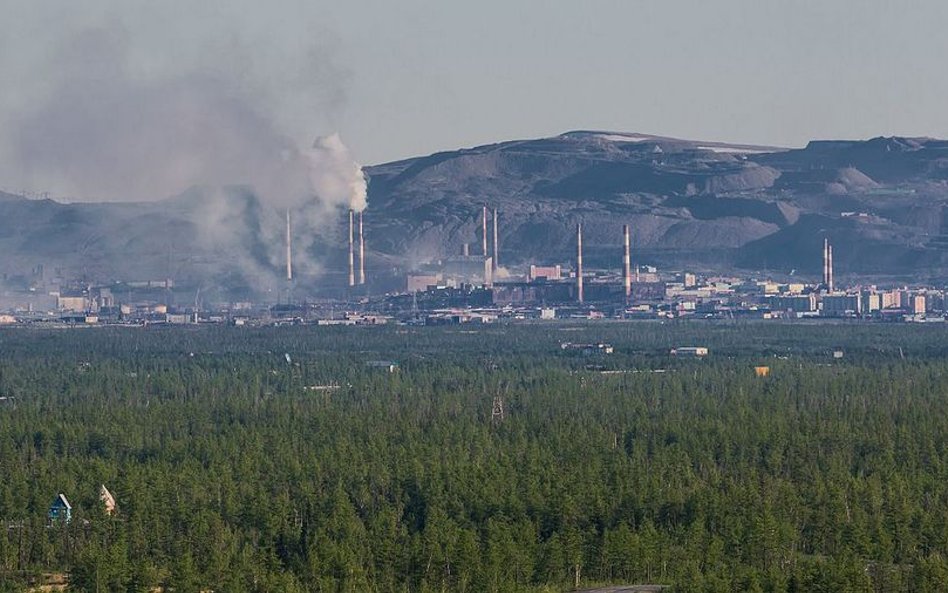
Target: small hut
{"x":108,"y":501}
{"x":60,"y":510}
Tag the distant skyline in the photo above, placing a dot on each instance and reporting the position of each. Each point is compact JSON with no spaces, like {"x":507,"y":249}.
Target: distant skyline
{"x":400,"y":79}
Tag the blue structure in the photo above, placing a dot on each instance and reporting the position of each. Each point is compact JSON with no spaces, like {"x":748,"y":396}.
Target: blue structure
{"x":60,"y":510}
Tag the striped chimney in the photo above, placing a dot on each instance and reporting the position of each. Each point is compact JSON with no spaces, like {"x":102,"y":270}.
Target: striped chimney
{"x":361,"y":251}
{"x":484,"y":231}
{"x":351,"y":249}
{"x":579,"y":263}
{"x":496,"y":259}
{"x":626,"y":262}
{"x":829,"y":267}
{"x":289,"y":248}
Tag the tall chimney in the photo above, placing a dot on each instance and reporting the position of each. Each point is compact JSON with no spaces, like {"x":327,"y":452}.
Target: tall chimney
{"x":626,"y":263}
{"x":825,"y":262}
{"x":361,"y":252}
{"x":496,"y":261}
{"x":351,"y":253}
{"x":579,"y":263}
{"x":829,"y":266}
{"x":484,"y":231}
{"x":466,"y":250}
{"x":289,"y":248}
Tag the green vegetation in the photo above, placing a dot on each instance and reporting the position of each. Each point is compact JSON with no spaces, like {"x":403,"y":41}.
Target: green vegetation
{"x":231,"y":475}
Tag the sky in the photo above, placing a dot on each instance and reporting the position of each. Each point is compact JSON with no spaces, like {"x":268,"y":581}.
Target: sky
{"x":407,"y":78}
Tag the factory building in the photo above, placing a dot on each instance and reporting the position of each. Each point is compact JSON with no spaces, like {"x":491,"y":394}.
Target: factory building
{"x":522,"y":293}
{"x":648,"y":291}
{"x":422,"y":282}
{"x":603,"y":292}
{"x":471,"y":269}
{"x":549,"y":273}
{"x":840,"y":305}
{"x":72,"y":303}
{"x":793,"y":303}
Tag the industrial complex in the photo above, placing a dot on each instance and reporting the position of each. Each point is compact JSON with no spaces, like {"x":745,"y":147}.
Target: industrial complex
{"x":474,"y":287}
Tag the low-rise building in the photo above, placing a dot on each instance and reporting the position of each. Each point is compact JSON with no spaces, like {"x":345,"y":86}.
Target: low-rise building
{"x":60,"y":510}
{"x":545,"y":272}
{"x":690,"y":351}
{"x":421,"y":282}
{"x":837,"y":305}
{"x":76,"y":303}
{"x":795,"y":304}
{"x":588,"y":349}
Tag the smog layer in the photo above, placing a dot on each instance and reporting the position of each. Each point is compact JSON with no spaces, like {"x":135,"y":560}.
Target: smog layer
{"x":698,"y":205}
{"x":108,"y":106}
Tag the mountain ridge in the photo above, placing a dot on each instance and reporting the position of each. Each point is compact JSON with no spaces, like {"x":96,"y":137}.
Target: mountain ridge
{"x":702,"y":205}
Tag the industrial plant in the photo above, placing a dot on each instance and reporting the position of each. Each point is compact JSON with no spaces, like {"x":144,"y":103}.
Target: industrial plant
{"x":465,"y":287}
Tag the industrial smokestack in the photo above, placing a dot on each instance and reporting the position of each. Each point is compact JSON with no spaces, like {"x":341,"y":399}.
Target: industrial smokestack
{"x":626,"y":262}
{"x":361,"y":251}
{"x":829,"y":265}
{"x":466,"y":250}
{"x":351,"y":254}
{"x":825,"y":262}
{"x":579,"y":263}
{"x":289,"y":248}
{"x":496,"y":260}
{"x":484,"y":231}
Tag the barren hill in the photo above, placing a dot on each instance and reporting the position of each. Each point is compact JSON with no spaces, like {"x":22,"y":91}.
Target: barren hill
{"x":690,"y":204}
{"x":699,"y":205}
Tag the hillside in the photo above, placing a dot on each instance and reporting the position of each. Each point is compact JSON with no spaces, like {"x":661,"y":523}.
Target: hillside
{"x":697,"y":204}
{"x":701,"y":205}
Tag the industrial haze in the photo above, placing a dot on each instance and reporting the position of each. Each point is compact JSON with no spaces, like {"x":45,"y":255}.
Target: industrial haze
{"x":703,"y":206}
{"x":110,"y":107}
{"x":177,"y":148}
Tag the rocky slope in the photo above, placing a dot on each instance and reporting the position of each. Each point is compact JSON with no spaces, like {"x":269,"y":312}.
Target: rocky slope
{"x":698,"y":205}
{"x":691,"y":204}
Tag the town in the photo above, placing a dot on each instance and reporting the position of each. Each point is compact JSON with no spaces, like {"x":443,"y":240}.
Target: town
{"x":475,"y":288}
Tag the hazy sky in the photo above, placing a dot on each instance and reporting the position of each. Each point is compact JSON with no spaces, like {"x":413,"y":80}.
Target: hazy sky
{"x":408,"y":77}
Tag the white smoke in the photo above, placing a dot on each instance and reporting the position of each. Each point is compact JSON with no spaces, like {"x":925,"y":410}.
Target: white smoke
{"x":316,"y":185}
{"x":97,"y":120}
{"x":335,"y":176}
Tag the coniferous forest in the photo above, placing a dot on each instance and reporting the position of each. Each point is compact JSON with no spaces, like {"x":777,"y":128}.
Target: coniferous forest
{"x":491,"y":460}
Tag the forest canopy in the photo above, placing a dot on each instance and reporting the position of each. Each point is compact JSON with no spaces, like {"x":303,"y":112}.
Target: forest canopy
{"x":484,"y":459}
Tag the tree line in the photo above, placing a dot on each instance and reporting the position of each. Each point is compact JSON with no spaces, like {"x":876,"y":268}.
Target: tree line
{"x":232,"y":473}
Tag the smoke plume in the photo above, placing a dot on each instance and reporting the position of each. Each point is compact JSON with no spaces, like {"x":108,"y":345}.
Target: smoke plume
{"x":335,"y":176}
{"x":108,"y":116}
